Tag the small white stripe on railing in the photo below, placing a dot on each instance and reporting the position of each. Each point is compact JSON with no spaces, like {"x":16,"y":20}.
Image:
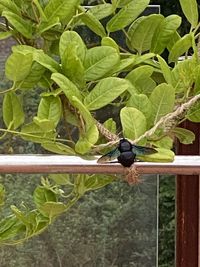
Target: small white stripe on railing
{"x":187,"y":165}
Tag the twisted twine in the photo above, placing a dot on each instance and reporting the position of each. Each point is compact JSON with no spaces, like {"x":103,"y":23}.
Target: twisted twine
{"x":164,"y":120}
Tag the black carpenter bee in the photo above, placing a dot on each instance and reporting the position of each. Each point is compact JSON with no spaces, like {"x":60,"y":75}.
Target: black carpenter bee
{"x":126,"y":153}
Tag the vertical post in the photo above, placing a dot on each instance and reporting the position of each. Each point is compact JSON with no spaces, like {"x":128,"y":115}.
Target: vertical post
{"x":187,"y":207}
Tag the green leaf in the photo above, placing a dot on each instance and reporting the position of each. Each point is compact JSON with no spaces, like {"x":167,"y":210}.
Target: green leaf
{"x":105,"y":92}
{"x":140,"y":102}
{"x":12,"y":111}
{"x":162,"y":100}
{"x":190,"y":10}
{"x":10,"y":228}
{"x":62,"y":9}
{"x":93,"y":23}
{"x":58,"y":148}
{"x":126,"y":15}
{"x":141,"y":80}
{"x":22,"y":70}
{"x":107,"y":41}
{"x":72,"y":65}
{"x":45,"y":125}
{"x":174,"y":38}
{"x":21,"y":25}
{"x":68,"y":87}
{"x":194,"y":113}
{"x":50,"y":108}
{"x":94,"y":182}
{"x":133,"y":122}
{"x":180,"y":47}
{"x":164,"y":33}
{"x":61,"y":179}
{"x":2,"y":195}
{"x":89,"y":120}
{"x":47,"y":25}
{"x":87,"y":139}
{"x":34,"y":133}
{"x":4,"y":35}
{"x":69,"y":37}
{"x":185,"y":136}
{"x":101,"y":11}
{"x":42,"y":195}
{"x":46,"y":61}
{"x":165,"y":70}
{"x":183,"y":75}
{"x":163,"y":155}
{"x":99,"y":61}
{"x":164,"y":142}
{"x":52,"y":209}
{"x":34,"y":76}
{"x":10,"y":5}
{"x":141,"y":32}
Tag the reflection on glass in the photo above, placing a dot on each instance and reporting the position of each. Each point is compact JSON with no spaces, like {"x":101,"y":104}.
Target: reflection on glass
{"x":112,"y":226}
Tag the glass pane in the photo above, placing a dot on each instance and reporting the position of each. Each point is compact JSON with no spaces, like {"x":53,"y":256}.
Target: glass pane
{"x":112,"y":226}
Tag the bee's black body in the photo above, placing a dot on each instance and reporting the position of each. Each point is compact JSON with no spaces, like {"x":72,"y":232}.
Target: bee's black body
{"x":126,"y":157}
{"x":126,"y":153}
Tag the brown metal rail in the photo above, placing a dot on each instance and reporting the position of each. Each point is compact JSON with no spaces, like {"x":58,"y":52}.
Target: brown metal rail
{"x":187,"y":165}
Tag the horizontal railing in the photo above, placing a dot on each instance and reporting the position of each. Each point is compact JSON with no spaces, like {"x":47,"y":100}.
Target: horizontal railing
{"x":187,"y":165}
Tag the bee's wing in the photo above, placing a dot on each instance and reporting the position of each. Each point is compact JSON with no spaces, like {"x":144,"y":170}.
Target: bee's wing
{"x":143,"y":150}
{"x":110,"y":156}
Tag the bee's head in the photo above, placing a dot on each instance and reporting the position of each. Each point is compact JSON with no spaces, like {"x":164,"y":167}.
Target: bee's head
{"x":124,"y":145}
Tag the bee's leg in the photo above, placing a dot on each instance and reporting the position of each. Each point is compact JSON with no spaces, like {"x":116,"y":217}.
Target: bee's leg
{"x":132,"y":175}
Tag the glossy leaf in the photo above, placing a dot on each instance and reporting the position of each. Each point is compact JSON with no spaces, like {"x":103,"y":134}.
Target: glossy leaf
{"x":64,"y":10}
{"x":140,"y":33}
{"x":45,"y":125}
{"x":50,"y":108}
{"x":101,"y":11}
{"x":2,"y":195}
{"x":68,"y":87}
{"x":107,"y":41}
{"x":58,"y":148}
{"x":183,"y":75}
{"x":162,"y":100}
{"x":185,"y":136}
{"x":10,"y":5}
{"x":83,"y":111}
{"x":42,"y":195}
{"x":61,"y":178}
{"x":133,"y":122}
{"x":164,"y":32}
{"x":126,"y":15}
{"x":46,"y":61}
{"x":141,"y":80}
{"x":140,"y":102}
{"x":46,"y":25}
{"x":99,"y":61}
{"x":180,"y":47}
{"x":34,"y":133}
{"x":15,"y":71}
{"x":194,"y":113}
{"x":94,"y":182}
{"x":163,"y":155}
{"x":68,"y":37}
{"x":93,"y":23}
{"x":72,"y":65}
{"x":12,"y":111}
{"x":21,"y":25}
{"x":4,"y":35}
{"x":165,"y":70}
{"x":105,"y":92}
{"x":87,"y":139}
{"x":52,"y":209}
{"x":190,"y":10}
